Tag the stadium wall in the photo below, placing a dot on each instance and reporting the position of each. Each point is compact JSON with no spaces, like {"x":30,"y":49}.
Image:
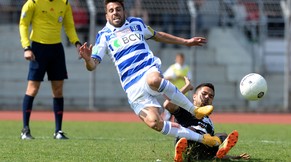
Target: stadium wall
{"x":226,"y":58}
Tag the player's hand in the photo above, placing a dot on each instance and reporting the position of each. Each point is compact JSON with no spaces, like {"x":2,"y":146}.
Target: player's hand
{"x":188,"y":84}
{"x":244,"y":156}
{"x":28,"y":55}
{"x":85,"y":51}
{"x":196,"y":41}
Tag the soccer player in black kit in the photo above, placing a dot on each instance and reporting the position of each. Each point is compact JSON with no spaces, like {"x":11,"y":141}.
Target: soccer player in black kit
{"x":203,"y":95}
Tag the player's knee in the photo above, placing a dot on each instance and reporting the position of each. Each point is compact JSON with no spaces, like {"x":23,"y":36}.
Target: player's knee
{"x":57,"y":93}
{"x":154,"y":80}
{"x":32,"y":88}
{"x":31,"y":92}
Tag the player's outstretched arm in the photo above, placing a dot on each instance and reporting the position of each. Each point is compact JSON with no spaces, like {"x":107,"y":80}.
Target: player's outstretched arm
{"x":171,"y":39}
{"x":85,"y":53}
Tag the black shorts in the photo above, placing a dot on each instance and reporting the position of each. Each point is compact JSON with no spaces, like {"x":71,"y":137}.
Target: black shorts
{"x":50,"y":59}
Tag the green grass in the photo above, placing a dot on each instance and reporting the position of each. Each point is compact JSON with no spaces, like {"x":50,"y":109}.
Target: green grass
{"x":129,"y":142}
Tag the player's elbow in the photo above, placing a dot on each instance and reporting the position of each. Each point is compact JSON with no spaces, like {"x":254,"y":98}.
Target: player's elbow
{"x":89,"y":68}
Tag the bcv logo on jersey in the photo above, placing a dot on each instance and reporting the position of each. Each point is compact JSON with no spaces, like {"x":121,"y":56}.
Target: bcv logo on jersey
{"x":132,"y":37}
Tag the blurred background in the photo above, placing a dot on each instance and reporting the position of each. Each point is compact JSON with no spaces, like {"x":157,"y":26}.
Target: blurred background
{"x":244,"y":36}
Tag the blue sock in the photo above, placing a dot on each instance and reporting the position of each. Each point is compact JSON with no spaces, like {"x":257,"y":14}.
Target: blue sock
{"x":26,"y":109}
{"x":58,"y":106}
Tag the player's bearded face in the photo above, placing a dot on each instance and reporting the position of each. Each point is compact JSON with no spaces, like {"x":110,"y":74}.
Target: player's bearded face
{"x":204,"y":97}
{"x":115,"y":14}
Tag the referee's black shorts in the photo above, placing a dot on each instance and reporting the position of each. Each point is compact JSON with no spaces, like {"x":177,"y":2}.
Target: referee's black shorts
{"x":50,"y":59}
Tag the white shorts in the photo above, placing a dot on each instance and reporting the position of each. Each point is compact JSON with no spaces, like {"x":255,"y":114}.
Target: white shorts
{"x":141,"y":96}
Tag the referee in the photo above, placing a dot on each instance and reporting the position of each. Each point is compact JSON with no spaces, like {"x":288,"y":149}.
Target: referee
{"x":40,"y":27}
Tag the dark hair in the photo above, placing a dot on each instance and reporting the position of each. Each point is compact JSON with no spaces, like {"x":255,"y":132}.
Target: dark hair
{"x":209,"y":85}
{"x":109,"y":1}
{"x":180,"y":54}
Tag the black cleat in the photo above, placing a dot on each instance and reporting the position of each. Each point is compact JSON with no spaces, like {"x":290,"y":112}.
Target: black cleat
{"x":60,"y":135}
{"x":25,"y":134}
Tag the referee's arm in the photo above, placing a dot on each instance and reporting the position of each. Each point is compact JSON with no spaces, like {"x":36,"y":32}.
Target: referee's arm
{"x":24,"y":23}
{"x":69,"y":26}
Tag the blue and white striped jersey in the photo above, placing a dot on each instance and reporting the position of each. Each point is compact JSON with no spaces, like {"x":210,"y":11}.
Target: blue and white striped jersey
{"x":127,"y":48}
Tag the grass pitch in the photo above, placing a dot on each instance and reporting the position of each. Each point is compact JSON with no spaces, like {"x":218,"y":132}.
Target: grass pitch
{"x":129,"y":142}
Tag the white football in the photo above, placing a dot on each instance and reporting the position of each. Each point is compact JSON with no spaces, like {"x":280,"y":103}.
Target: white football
{"x":253,"y":87}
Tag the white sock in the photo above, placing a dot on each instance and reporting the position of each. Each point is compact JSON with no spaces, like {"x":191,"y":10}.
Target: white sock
{"x":175,"y":96}
{"x":167,"y":115}
{"x":180,"y":132}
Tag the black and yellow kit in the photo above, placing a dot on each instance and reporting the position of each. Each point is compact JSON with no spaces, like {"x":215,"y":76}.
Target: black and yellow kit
{"x":46,"y":17}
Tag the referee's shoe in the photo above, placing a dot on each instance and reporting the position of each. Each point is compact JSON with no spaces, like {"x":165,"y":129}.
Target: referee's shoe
{"x":25,"y":134}
{"x":60,"y":135}
{"x":227,"y":144}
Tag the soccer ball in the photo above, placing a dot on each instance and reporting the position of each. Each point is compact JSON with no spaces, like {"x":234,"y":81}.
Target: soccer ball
{"x":253,"y":87}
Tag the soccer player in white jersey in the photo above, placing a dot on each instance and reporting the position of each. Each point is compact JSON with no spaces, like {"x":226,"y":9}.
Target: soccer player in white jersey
{"x":124,"y":40}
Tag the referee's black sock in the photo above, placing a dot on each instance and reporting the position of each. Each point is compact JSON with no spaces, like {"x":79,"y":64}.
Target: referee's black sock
{"x":58,"y":105}
{"x":26,"y":109}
